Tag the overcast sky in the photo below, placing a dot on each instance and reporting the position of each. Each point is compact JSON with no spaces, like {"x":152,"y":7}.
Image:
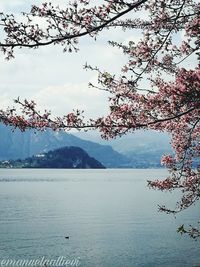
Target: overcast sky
{"x":57,"y":80}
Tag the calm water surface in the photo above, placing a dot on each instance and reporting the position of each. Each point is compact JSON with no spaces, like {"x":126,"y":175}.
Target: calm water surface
{"x":110,"y":216}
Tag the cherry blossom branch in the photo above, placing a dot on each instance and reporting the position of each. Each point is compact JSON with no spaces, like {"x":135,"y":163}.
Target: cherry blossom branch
{"x":12,"y":44}
{"x":29,"y":109}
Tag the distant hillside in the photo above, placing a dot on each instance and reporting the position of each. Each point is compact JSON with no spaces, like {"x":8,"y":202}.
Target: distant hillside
{"x":138,"y":141}
{"x":21,"y":145}
{"x":67,"y":157}
{"x":144,"y":149}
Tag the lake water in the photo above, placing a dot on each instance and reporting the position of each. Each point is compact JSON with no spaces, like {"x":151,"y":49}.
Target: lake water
{"x":110,"y":217}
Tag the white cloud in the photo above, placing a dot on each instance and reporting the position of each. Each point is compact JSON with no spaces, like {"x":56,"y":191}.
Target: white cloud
{"x":5,"y":102}
{"x":46,"y":72}
{"x":13,"y":6}
{"x":63,"y":99}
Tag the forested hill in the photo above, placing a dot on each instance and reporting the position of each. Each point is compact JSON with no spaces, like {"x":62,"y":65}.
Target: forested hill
{"x":66,"y":157}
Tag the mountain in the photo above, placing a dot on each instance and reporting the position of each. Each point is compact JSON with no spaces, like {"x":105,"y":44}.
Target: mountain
{"x":21,"y":145}
{"x":144,"y":149}
{"x":66,"y":157}
{"x":139,"y":140}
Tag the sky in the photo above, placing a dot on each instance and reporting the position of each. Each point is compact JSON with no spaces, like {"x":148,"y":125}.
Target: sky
{"x":57,"y":80}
